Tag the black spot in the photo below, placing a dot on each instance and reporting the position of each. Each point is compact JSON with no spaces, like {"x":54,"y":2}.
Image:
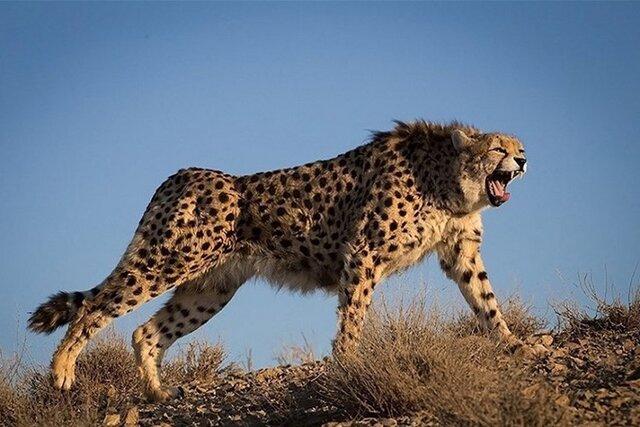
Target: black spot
{"x":482,"y":275}
{"x":285,"y":243}
{"x":77,"y":298}
{"x":488,"y":295}
{"x":466,"y":276}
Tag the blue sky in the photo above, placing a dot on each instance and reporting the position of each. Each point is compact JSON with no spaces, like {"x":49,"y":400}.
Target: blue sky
{"x":101,"y":102}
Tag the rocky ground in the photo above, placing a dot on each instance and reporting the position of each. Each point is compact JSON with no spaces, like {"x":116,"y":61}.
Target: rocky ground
{"x":412,"y":368}
{"x":595,"y":372}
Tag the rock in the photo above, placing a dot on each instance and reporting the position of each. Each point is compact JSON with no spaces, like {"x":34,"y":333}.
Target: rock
{"x":531,"y":391}
{"x":111,"y":420}
{"x":563,"y":400}
{"x":132,"y":417}
{"x":558,"y":369}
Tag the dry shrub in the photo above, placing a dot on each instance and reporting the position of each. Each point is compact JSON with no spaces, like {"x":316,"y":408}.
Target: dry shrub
{"x":516,"y":313}
{"x":200,"y":362}
{"x":10,"y":400}
{"x":296,"y":354}
{"x":106,"y":382}
{"x":602,"y":313}
{"x":105,"y":378}
{"x":413,"y":360}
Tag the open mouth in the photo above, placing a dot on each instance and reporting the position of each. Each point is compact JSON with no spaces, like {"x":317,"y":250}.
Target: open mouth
{"x":496,"y":184}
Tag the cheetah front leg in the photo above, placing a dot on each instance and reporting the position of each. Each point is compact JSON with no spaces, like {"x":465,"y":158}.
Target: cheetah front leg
{"x":355,"y":294}
{"x":461,"y":261}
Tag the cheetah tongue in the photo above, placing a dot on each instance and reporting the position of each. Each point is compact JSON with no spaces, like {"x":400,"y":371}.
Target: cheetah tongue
{"x":498,"y":190}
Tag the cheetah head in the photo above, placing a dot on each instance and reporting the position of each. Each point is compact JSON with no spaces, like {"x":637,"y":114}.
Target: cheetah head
{"x":489,"y":163}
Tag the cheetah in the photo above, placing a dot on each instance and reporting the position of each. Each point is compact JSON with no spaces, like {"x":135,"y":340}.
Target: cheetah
{"x":339,"y":225}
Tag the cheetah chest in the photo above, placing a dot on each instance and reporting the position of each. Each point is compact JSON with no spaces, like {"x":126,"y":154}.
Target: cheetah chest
{"x":414,"y":244}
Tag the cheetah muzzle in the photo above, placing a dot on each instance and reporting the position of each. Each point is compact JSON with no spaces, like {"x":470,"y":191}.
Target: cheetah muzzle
{"x":496,"y":186}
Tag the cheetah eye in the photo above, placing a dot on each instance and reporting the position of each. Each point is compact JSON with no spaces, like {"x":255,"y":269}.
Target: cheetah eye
{"x":499,"y":150}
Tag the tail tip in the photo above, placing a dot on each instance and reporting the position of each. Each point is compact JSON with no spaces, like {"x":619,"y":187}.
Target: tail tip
{"x":52,"y":314}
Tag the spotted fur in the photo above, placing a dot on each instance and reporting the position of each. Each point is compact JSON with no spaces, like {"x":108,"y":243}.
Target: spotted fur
{"x":340,"y":225}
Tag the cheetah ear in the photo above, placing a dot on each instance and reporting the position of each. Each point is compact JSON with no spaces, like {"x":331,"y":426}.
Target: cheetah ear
{"x":460,"y":140}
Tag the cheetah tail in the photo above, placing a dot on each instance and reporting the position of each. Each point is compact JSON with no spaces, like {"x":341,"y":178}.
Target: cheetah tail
{"x":59,"y":310}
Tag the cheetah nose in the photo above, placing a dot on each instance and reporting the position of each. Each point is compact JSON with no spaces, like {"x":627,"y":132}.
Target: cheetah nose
{"x":521,"y":161}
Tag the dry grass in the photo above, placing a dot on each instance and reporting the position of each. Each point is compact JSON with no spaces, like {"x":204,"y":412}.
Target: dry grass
{"x":296,"y":354}
{"x":199,"y":362}
{"x":414,"y":360}
{"x":106,"y":382}
{"x":602,"y":312}
{"x":516,"y":313}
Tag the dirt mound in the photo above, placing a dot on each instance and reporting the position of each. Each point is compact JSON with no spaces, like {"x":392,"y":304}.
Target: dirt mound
{"x":596,"y":377}
{"x":591,"y":376}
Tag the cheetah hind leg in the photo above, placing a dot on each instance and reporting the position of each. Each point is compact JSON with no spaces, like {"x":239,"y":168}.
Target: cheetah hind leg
{"x":189,"y":308}
{"x":113,"y":300}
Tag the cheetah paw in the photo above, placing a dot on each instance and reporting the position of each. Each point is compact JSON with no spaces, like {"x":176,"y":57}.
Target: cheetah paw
{"x":63,"y":376}
{"x":532,"y":351}
{"x":165,"y":394}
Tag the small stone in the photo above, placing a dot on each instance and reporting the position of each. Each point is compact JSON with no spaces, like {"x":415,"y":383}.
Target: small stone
{"x":545,"y":340}
{"x":111,"y":420}
{"x":132,"y":417}
{"x":531,"y":391}
{"x":558,"y":369}
{"x":578,"y":362}
{"x":563,"y":400}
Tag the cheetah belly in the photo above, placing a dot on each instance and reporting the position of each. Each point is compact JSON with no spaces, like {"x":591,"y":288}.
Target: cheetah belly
{"x":407,"y":258}
{"x":285,"y":273}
